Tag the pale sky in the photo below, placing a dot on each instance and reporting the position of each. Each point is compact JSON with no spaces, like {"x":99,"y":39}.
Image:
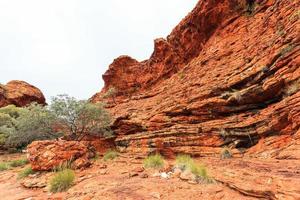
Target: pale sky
{"x":64,"y":46}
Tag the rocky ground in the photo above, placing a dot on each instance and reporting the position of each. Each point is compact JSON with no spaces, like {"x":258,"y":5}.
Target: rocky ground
{"x":124,"y":178}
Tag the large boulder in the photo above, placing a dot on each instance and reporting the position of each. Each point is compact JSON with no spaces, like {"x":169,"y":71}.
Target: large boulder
{"x":20,"y":94}
{"x":47,"y":155}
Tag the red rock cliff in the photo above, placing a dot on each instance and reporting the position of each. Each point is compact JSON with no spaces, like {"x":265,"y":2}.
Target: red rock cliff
{"x":227,"y":75}
{"x":20,"y":93}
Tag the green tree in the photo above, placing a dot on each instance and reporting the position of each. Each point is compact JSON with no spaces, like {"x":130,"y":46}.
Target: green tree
{"x":111,"y":93}
{"x":34,"y":122}
{"x":8,"y":122}
{"x":80,"y":118}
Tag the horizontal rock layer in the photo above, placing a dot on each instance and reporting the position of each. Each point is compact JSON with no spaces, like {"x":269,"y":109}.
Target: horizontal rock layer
{"x":227,"y":75}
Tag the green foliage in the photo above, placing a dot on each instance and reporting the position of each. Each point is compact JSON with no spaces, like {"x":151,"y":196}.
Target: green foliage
{"x":8,"y":116}
{"x":183,"y":161}
{"x":198,"y":170}
{"x":15,"y":163}
{"x":186,"y":163}
{"x":34,"y":122}
{"x":26,"y":172}
{"x":154,"y":161}
{"x":226,"y":153}
{"x":18,"y":163}
{"x":62,"y":180}
{"x":110,"y":155}
{"x":64,"y":165}
{"x":3,"y":166}
{"x":288,"y":48}
{"x":292,"y":88}
{"x":12,"y":111}
{"x":81,"y":117}
{"x":111,"y":92}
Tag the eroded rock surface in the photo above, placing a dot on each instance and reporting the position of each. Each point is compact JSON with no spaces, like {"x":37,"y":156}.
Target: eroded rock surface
{"x":227,"y":75}
{"x":47,"y":155}
{"x":20,"y":93}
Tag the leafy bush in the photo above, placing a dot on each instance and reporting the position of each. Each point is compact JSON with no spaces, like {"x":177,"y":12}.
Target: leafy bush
{"x":111,"y":93}
{"x":110,"y":155}
{"x":3,"y":166}
{"x":154,"y":161}
{"x":81,"y":118}
{"x":18,"y":163}
{"x":35,"y":122}
{"x":62,"y":180}
{"x":8,"y":122}
{"x":26,"y":172}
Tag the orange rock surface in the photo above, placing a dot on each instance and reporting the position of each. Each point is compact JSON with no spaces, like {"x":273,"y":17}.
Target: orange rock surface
{"x":20,"y":93}
{"x":47,"y":155}
{"x":227,"y":75}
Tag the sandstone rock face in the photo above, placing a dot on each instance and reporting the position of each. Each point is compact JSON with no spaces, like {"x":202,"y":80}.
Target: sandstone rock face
{"x":227,"y":75}
{"x":20,"y":93}
{"x":46,"y":155}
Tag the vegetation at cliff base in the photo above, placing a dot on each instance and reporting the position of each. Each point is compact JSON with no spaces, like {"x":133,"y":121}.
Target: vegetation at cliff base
{"x":66,"y":116}
{"x":62,"y":181}
{"x":79,"y":118}
{"x":26,"y":172}
{"x":110,"y":155}
{"x":154,"y":161}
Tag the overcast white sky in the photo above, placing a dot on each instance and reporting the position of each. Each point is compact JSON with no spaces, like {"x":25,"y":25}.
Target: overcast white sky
{"x":64,"y":46}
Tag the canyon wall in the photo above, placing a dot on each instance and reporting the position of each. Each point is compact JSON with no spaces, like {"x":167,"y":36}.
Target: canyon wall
{"x":227,"y":75}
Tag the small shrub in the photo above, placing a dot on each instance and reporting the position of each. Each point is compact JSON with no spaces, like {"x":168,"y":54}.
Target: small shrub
{"x":292,"y":88}
{"x":286,"y":49}
{"x":183,"y":161}
{"x":26,"y":172}
{"x":198,"y":170}
{"x":154,"y":161}
{"x":96,"y":157}
{"x":62,"y":180}
{"x":64,"y":165}
{"x":186,"y":163}
{"x":3,"y":167}
{"x":226,"y":153}
{"x":18,"y":163}
{"x":110,"y":155}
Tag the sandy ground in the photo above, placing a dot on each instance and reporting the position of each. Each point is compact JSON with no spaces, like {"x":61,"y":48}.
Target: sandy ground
{"x":235,"y":179}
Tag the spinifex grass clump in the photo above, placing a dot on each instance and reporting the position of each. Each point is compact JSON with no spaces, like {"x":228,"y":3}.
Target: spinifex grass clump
{"x":18,"y":163}
{"x":110,"y":155}
{"x":62,"y":180}
{"x":154,"y":161}
{"x":186,"y":163}
{"x":26,"y":172}
{"x":183,"y":161}
{"x":3,"y":166}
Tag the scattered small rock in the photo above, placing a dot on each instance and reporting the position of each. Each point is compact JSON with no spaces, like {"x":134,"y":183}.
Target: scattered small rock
{"x":133,"y":174}
{"x":177,"y":172}
{"x":187,"y":175}
{"x":103,"y":172}
{"x":102,"y":166}
{"x":34,"y":182}
{"x":155,"y":195}
{"x":164,"y":175}
{"x":144,"y":175}
{"x":138,"y":169}
{"x":192,"y":182}
{"x":156,"y":174}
